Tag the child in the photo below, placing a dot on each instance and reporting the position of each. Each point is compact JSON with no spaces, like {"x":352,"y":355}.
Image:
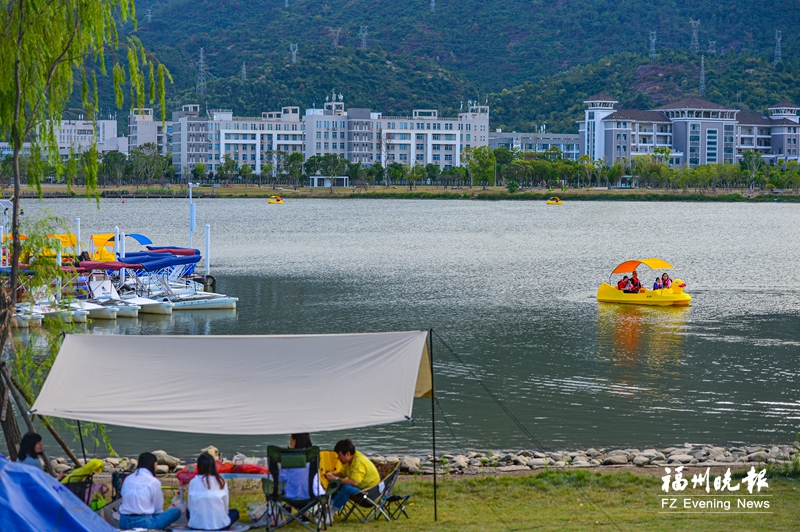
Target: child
{"x":658,"y":285}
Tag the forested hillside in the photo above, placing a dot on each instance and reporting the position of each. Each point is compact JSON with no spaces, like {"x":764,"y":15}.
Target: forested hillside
{"x":534,"y":60}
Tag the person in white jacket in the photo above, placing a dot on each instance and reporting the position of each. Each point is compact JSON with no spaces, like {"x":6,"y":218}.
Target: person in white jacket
{"x":142,"y":502}
{"x":208,"y":498}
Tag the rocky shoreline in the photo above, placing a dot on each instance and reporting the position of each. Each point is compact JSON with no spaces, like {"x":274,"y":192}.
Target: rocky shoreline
{"x":507,"y":461}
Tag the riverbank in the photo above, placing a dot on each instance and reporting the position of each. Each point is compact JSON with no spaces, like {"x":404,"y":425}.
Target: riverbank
{"x":422,"y":192}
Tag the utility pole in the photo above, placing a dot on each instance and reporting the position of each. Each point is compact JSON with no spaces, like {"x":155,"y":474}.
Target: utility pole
{"x":777,"y":48}
{"x":695,"y":46}
{"x":244,"y":72}
{"x":362,"y":32}
{"x":293,"y":49}
{"x":201,"y":74}
{"x":712,"y":47}
{"x":652,"y":46}
{"x":335,"y":33}
{"x":702,"y":75}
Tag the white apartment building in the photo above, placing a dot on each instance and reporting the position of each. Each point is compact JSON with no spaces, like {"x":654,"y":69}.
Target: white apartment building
{"x":144,"y":129}
{"x":694,"y":130}
{"x":248,"y":140}
{"x":78,"y":135}
{"x":367,"y":137}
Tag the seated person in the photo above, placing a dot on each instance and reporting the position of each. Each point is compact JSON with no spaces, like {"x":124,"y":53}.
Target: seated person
{"x":636,"y":284}
{"x":623,"y":283}
{"x":358,"y":473}
{"x":142,"y":502}
{"x":208,"y":498}
{"x":30,"y":449}
{"x":657,"y":285}
{"x":666,"y":281}
{"x":295,"y":480}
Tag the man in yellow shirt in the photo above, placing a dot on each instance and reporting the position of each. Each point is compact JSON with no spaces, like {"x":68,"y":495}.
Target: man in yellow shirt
{"x":357,"y":473}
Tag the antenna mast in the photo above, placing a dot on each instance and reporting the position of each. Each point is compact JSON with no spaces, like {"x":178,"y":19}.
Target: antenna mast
{"x":695,"y":46}
{"x":201,"y":74}
{"x":652,"y":46}
{"x":702,"y":76}
{"x":777,"y":48}
{"x":362,"y":32}
{"x":293,"y":49}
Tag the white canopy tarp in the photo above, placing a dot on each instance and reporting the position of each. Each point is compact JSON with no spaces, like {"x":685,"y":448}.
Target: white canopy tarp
{"x":238,"y":384}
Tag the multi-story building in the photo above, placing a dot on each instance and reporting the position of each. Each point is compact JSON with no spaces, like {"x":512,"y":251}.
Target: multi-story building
{"x":692,"y":131}
{"x":367,"y":137}
{"x":144,"y":129}
{"x":568,"y":143}
{"x":248,"y":140}
{"x":78,"y":135}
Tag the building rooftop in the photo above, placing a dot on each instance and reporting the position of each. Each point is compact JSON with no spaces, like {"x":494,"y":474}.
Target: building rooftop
{"x":600,"y":97}
{"x":694,"y":102}
{"x":784,"y":104}
{"x":641,"y":116}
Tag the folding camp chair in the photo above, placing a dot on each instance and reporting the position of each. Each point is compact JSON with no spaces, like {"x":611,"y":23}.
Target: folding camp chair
{"x":312,"y":512}
{"x":82,"y":488}
{"x":378,"y":500}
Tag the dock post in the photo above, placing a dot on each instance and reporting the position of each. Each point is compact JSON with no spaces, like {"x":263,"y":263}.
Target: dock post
{"x":208,"y":248}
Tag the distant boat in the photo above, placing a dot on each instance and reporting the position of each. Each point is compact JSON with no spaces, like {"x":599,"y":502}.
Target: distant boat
{"x":555,"y":200}
{"x":663,"y":297}
{"x":275,"y":200}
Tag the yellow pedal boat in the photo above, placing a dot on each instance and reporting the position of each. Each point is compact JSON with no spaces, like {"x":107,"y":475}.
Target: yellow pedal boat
{"x":275,"y":200}
{"x":555,"y":200}
{"x":665,"y":297}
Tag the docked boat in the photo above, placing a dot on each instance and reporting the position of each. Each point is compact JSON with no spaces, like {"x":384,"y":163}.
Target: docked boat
{"x":664,"y":297}
{"x":555,"y":200}
{"x":129,"y":305}
{"x":96,"y":311}
{"x":275,"y":200}
{"x":24,"y":320}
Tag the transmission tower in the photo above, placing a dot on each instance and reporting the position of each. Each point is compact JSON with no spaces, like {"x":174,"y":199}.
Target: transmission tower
{"x":362,"y":32}
{"x":695,"y":46}
{"x":652,"y":45}
{"x":149,"y":15}
{"x":335,"y":33}
{"x":201,"y":74}
{"x":703,"y":76}
{"x":244,"y":72}
{"x":777,"y":47}
{"x":293,"y":49}
{"x":712,"y":47}
{"x":286,"y":4}
{"x":433,"y":5}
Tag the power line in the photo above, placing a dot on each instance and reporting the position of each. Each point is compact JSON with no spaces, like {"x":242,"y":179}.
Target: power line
{"x":695,"y":46}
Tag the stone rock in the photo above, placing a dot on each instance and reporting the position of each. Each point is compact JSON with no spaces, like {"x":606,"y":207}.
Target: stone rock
{"x":378,"y":459}
{"x":560,"y":463}
{"x":581,"y":464}
{"x":641,"y":460}
{"x":164,"y":459}
{"x":538,"y":462}
{"x":392,"y":459}
{"x":112,"y":461}
{"x":682,"y":458}
{"x":60,"y":468}
{"x":162,"y":469}
{"x":448,"y":456}
{"x":591,"y":453}
{"x":669,"y":450}
{"x":539,"y":455}
{"x":472,"y":471}
{"x":759,"y":456}
{"x":724,"y":459}
{"x":475,"y":463}
{"x":616,"y":459}
{"x":413,"y":470}
{"x":61,"y":460}
{"x":427,"y":471}
{"x":460,"y":461}
{"x":510,"y":468}
{"x":408,"y":462}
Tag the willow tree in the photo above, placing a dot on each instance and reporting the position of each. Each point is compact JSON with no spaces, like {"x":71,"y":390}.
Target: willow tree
{"x":46,"y":47}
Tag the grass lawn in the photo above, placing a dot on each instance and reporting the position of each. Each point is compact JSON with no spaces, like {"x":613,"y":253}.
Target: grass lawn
{"x":568,"y":500}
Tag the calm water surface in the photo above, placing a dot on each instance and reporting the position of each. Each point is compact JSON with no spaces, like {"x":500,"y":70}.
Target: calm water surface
{"x":509,"y":287}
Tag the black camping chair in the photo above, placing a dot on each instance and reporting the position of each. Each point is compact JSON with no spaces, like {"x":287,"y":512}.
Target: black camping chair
{"x":378,"y":500}
{"x":312,"y":512}
{"x":82,"y":488}
{"x":116,"y":484}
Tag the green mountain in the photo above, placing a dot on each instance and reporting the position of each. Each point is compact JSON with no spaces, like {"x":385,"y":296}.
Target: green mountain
{"x":533,"y":60}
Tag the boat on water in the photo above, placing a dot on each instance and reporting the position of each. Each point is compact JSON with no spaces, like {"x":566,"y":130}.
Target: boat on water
{"x":664,"y":297}
{"x":555,"y":200}
{"x":25,"y":320}
{"x":275,"y":200}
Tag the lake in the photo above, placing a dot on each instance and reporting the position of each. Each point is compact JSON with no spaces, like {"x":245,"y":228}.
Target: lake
{"x":509,"y":287}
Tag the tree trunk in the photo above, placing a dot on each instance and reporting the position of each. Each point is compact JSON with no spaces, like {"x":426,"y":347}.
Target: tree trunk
{"x":9,"y":421}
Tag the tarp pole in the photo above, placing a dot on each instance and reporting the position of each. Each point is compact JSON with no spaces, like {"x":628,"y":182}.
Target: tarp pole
{"x":78,"y":235}
{"x":80,"y":434}
{"x":433,"y":425}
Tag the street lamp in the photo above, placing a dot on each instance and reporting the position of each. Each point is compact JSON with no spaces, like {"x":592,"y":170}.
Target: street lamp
{"x":191,"y":211}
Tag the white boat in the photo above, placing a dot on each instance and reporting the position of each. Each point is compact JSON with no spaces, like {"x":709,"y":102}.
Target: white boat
{"x":103,"y":290}
{"x":95,"y":311}
{"x":49,"y":311}
{"x":23,"y":320}
{"x":184,"y":295}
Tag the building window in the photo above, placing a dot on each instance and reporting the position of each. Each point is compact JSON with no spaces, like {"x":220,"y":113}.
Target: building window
{"x":436,"y":157}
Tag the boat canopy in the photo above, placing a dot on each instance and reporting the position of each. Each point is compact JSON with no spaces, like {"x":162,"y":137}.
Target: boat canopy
{"x":67,"y":240}
{"x":630,"y":265}
{"x":111,"y":266}
{"x":272,"y":385}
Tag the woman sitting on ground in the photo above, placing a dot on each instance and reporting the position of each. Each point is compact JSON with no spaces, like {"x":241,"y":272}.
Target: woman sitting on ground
{"x":30,"y":449}
{"x":142,"y":502}
{"x":208,"y":498}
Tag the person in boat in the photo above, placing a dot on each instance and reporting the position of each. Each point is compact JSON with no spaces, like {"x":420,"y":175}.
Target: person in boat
{"x":636,"y":284}
{"x":142,"y":502}
{"x":623,"y":283}
{"x":84,"y":256}
{"x":658,"y":285}
{"x":666,"y":281}
{"x":209,"y":498}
